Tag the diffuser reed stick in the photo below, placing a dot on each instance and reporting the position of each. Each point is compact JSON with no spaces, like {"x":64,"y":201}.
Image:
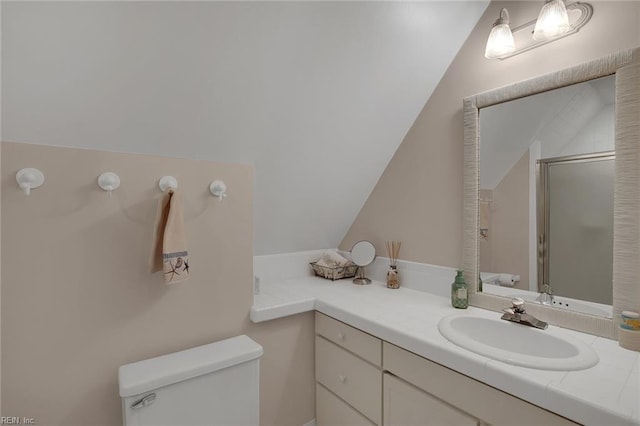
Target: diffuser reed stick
{"x":393,"y":250}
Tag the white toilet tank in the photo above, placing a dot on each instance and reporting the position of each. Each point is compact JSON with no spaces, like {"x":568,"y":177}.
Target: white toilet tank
{"x":214,"y":384}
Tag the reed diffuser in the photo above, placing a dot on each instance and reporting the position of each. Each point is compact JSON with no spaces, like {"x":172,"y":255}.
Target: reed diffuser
{"x":393,"y":250}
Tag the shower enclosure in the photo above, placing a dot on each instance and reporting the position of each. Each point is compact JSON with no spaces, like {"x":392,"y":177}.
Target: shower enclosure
{"x":575,"y":225}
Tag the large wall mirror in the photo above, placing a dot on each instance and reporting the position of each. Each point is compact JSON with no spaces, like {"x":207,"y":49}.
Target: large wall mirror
{"x":546,"y":197}
{"x":552,"y":194}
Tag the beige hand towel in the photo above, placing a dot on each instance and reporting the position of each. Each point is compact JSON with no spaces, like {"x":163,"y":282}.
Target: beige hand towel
{"x":170,"y":253}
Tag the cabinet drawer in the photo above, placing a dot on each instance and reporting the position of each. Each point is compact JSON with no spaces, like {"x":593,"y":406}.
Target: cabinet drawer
{"x":332,"y":411}
{"x":360,"y":343}
{"x":352,"y":379}
{"x":407,"y":405}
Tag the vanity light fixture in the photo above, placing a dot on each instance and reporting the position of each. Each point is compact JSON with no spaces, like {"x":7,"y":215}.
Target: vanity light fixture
{"x":500,"y":40}
{"x":555,"y":21}
{"x":552,"y":21}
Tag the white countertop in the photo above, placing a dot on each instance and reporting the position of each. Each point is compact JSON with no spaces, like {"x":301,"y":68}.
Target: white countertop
{"x":606,"y":394}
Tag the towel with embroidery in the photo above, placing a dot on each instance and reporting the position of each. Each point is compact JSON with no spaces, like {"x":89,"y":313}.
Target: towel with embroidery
{"x":170,"y":254}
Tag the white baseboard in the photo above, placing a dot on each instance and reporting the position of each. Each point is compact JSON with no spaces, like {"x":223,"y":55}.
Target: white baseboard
{"x":311,"y":422}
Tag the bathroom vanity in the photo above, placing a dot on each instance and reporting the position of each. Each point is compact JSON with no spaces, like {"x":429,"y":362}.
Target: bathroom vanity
{"x":363,"y":380}
{"x":381,"y":358}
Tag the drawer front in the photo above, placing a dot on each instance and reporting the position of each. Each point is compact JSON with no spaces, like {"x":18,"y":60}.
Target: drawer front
{"x":352,"y":379}
{"x":360,"y":343}
{"x":407,"y":405}
{"x":332,"y":411}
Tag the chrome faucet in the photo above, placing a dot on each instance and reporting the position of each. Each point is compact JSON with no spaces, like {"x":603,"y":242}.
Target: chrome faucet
{"x":517,"y":314}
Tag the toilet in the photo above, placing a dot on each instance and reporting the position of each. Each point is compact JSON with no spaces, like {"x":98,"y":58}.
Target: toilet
{"x":214,"y":384}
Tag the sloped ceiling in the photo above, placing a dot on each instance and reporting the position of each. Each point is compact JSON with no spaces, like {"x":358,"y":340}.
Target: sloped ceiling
{"x":317,"y":95}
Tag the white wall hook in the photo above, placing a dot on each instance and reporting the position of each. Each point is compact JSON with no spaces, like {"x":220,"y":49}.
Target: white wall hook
{"x":109,"y":181}
{"x":218,"y":189}
{"x":168,"y":182}
{"x":29,"y":179}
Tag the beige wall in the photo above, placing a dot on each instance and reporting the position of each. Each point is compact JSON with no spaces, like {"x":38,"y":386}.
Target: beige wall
{"x":78,"y":301}
{"x":287,"y":370}
{"x":509,"y":233}
{"x":418,"y":199}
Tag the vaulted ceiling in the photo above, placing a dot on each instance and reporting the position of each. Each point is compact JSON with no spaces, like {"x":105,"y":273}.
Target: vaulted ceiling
{"x":317,"y":95}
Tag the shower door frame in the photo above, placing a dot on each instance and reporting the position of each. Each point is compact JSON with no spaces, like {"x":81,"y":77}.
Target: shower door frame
{"x":542,"y":206}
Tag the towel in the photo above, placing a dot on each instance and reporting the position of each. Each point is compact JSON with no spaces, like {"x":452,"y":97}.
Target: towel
{"x":170,"y":253}
{"x":333,"y":259}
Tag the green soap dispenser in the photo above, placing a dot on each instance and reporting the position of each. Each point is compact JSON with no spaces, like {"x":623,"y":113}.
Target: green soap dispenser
{"x":459,"y":292}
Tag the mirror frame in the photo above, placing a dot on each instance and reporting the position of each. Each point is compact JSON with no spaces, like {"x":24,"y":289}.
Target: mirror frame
{"x":626,"y":229}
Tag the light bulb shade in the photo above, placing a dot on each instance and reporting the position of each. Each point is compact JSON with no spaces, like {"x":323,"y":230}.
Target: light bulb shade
{"x":500,"y":42}
{"x":552,"y":21}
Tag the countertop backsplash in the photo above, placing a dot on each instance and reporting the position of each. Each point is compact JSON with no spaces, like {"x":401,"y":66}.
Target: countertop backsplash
{"x":417,"y":276}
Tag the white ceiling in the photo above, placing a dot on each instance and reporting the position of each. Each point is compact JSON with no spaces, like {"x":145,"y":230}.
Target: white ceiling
{"x":317,"y":95}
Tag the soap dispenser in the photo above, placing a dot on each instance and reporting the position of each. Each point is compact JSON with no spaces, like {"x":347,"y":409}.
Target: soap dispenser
{"x":459,"y":292}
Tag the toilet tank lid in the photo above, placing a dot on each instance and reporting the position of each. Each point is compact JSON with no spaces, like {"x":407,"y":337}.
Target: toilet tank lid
{"x":143,"y":376}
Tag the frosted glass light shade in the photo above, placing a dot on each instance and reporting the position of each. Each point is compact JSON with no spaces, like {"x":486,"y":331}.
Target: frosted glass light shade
{"x":552,"y":21}
{"x":500,"y":42}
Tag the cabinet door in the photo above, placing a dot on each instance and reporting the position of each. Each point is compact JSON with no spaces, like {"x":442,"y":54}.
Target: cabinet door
{"x":490,"y":405}
{"x":332,"y":411}
{"x":406,"y":405}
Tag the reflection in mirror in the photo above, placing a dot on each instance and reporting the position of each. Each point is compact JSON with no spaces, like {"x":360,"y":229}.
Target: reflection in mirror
{"x":546,"y":197}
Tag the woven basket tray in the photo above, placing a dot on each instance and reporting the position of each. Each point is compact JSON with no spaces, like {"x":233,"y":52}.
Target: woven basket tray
{"x":334,"y":273}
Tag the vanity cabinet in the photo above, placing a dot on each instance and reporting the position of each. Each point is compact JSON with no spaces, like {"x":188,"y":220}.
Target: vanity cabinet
{"x":333,"y":411}
{"x":471,"y":398}
{"x":348,"y":374}
{"x":362,"y":380}
{"x":405,"y":404}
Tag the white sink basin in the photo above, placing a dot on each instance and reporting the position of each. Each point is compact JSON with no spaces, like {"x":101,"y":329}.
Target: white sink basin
{"x":517,"y":344}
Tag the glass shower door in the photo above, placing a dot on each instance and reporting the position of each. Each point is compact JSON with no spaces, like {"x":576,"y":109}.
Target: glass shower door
{"x":579,"y":212}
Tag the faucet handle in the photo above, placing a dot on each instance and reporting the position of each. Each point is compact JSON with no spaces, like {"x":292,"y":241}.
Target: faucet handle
{"x":517,"y":304}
